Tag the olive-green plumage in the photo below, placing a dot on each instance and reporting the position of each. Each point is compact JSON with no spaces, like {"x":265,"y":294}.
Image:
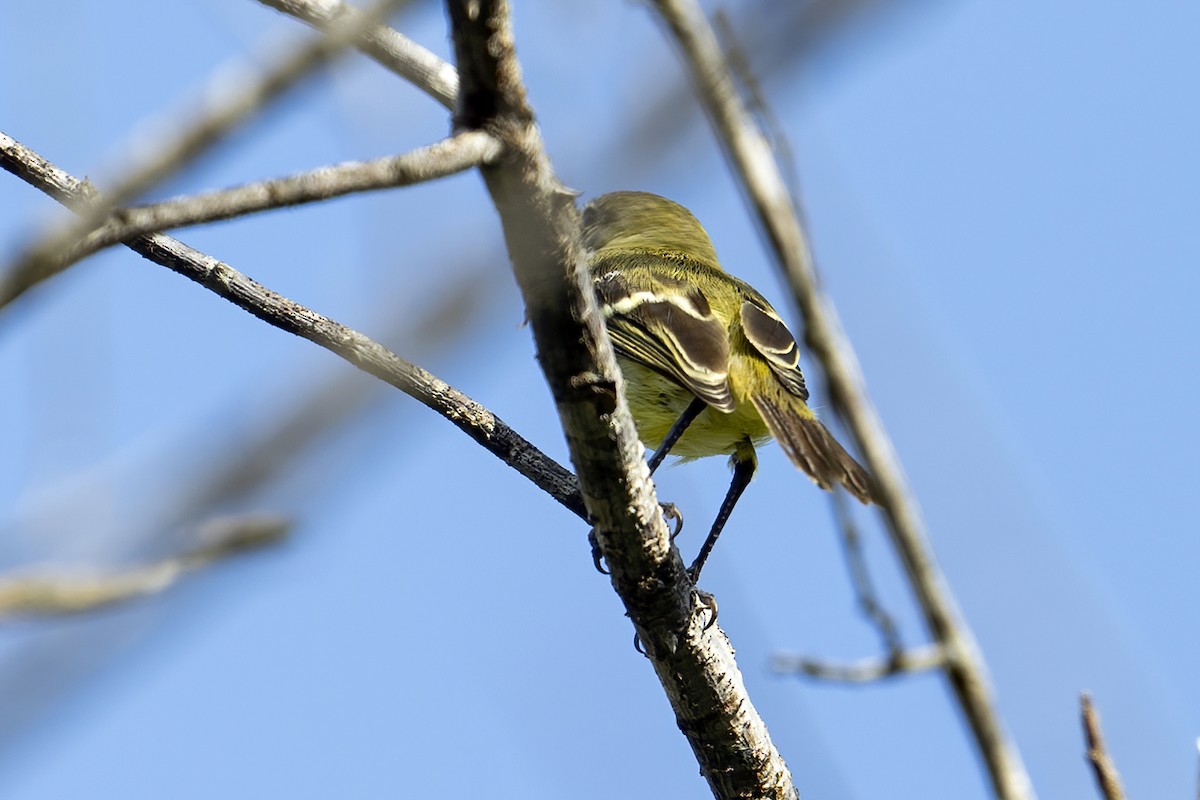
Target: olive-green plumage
{"x":683,"y":328}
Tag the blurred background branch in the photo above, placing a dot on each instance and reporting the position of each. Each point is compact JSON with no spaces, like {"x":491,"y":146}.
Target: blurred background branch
{"x":898,"y":662}
{"x":50,"y":591}
{"x":389,"y":47}
{"x":231,"y":100}
{"x":1108,"y":780}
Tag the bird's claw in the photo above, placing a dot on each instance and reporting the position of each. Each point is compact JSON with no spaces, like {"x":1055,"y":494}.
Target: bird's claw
{"x":707,"y":601}
{"x":597,"y":556}
{"x":703,"y":598}
{"x":671,"y":513}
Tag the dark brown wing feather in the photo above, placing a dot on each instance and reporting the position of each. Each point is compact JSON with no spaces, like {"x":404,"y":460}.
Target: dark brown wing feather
{"x":771,"y":338}
{"x":813,"y":449}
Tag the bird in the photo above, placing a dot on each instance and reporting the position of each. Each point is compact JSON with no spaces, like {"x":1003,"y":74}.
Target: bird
{"x":709,"y":367}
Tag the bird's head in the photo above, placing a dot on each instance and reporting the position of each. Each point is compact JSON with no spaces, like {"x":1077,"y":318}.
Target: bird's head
{"x":625,"y":221}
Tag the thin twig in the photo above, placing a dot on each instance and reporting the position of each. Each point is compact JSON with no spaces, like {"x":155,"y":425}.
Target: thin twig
{"x":230,"y":101}
{"x":448,"y":157}
{"x":860,"y":577}
{"x":469,"y":416}
{"x":59,"y":592}
{"x":391,"y":49}
{"x":748,"y":151}
{"x":1108,"y":781}
{"x":869,"y":670}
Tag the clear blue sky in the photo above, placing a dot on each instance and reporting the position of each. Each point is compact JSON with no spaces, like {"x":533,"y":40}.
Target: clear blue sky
{"x":1002,"y":201}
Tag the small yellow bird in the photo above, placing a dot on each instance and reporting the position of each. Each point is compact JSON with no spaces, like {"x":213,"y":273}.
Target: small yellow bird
{"x":709,"y":367}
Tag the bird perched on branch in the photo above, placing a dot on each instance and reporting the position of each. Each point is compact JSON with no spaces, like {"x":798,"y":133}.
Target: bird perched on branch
{"x":709,"y":367}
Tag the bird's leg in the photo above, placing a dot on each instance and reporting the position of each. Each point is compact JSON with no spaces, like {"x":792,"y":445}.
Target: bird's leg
{"x":686,"y":418}
{"x":744,"y":464}
{"x":677,"y":430}
{"x":670,"y":512}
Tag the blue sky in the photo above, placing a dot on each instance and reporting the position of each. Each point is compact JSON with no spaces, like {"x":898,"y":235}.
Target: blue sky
{"x":1001,"y":199}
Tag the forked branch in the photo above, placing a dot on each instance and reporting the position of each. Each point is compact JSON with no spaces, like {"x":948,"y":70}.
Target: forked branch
{"x":469,"y":416}
{"x":226,"y":107}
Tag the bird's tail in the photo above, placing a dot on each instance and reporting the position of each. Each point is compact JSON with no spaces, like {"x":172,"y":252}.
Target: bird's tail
{"x":812,"y":448}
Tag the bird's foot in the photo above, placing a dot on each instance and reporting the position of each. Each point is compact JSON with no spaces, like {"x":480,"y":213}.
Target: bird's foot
{"x":597,"y":556}
{"x":706,"y":602}
{"x":671,"y":513}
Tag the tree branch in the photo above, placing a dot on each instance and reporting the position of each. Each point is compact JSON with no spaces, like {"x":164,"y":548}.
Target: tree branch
{"x":230,"y":102}
{"x":748,"y":151}
{"x":369,"y":356}
{"x":541,"y":224}
{"x":860,"y":578}
{"x":899,"y":662}
{"x":1108,"y":781}
{"x":56,"y":594}
{"x":390,"y":48}
{"x":448,"y":157}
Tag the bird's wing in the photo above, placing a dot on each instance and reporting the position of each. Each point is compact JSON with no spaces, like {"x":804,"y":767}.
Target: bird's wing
{"x":771,"y":338}
{"x":668,"y":325}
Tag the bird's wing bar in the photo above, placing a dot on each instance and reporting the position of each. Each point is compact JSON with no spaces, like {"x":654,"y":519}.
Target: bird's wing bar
{"x":669,"y":326}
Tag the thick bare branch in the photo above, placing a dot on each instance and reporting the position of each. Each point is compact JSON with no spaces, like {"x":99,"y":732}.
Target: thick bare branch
{"x":1108,"y":780}
{"x":391,"y":49}
{"x":55,"y":593}
{"x":900,"y":662}
{"x":230,"y":101}
{"x":369,"y":356}
{"x":448,"y":157}
{"x":541,"y":224}
{"x":748,"y":151}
